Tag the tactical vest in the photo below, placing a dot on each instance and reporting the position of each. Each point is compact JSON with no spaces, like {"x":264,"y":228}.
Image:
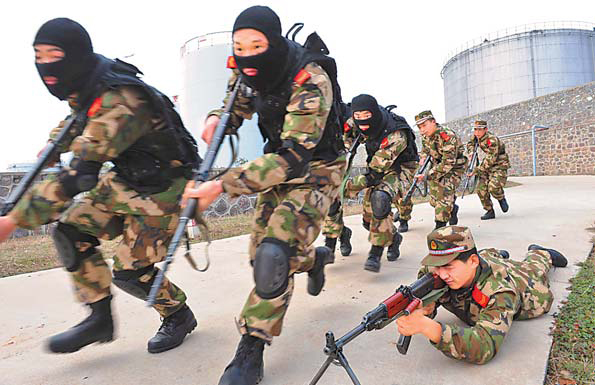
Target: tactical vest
{"x":272,"y":105}
{"x":146,"y":165}
{"x":393,"y":122}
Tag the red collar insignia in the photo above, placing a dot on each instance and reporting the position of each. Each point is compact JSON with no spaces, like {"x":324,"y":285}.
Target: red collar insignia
{"x":444,"y":136}
{"x":302,"y":77}
{"x":489,"y":143}
{"x":346,"y":128}
{"x":480,"y":298}
{"x":384,"y":143}
{"x":231,"y":62}
{"x":94,"y":107}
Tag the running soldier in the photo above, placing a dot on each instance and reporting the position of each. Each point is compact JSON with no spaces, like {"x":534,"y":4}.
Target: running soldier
{"x":298,"y":104}
{"x":448,"y":165}
{"x":135,"y":127}
{"x":493,"y":170}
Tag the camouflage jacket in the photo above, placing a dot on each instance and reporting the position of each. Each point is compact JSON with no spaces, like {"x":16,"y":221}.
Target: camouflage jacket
{"x":495,"y":153}
{"x":447,"y":153}
{"x":382,"y":160}
{"x":307,"y":111}
{"x":120,"y":119}
{"x":501,"y":292}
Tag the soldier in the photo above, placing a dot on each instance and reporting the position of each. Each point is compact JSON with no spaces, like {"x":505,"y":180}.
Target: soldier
{"x":389,"y":144}
{"x":485,"y":291}
{"x":493,"y":170}
{"x":135,"y":127}
{"x":448,"y":165}
{"x":297,"y":101}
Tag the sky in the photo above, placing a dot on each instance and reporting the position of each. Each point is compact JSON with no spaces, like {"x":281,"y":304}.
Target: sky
{"x":393,"y":50}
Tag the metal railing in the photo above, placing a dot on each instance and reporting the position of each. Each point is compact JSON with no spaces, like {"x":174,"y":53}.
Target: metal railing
{"x":207,"y":40}
{"x":535,"y":128}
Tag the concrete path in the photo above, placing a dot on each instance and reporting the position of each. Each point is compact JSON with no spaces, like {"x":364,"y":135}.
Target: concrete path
{"x":552,"y":211}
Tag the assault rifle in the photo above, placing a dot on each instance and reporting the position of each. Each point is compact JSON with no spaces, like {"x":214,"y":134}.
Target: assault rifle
{"x":420,"y":171}
{"x":201,"y":176}
{"x":470,"y":168}
{"x":424,"y":291}
{"x":49,"y":152}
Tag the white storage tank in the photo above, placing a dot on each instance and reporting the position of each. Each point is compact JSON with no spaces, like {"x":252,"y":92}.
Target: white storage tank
{"x":205,"y":76}
{"x":517,"y":64}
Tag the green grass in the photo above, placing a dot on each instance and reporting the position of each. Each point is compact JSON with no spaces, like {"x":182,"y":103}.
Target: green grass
{"x":572,"y":358}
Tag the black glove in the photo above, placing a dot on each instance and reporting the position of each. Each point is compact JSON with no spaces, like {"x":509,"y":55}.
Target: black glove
{"x":373,"y":178}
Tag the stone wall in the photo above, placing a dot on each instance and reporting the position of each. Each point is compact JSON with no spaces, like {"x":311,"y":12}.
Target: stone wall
{"x":566,"y":148}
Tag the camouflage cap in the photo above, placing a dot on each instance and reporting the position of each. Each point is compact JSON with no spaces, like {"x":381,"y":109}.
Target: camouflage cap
{"x":481,"y":124}
{"x":446,"y":243}
{"x":423,"y":116}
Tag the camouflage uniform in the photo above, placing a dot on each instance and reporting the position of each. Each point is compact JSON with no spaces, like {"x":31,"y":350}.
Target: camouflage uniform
{"x":112,"y":208}
{"x":381,"y":162}
{"x":290,"y":211}
{"x":448,"y":165}
{"x":502,"y":291}
{"x":408,"y":170}
{"x":493,"y":170}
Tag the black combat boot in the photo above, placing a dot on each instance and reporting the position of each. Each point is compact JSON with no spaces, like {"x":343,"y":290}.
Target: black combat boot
{"x":490,"y":214}
{"x":396,"y":216}
{"x":345,"y":240}
{"x":393,"y":250}
{"x":247,"y":367}
{"x":558,"y":259}
{"x":366,"y":225}
{"x":97,"y":327}
{"x":454,"y":219}
{"x":316,"y":274}
{"x":173,"y":330}
{"x":331,"y":243}
{"x":439,"y":224}
{"x":403,"y":226}
{"x":503,"y":205}
{"x":373,"y":262}
{"x":504,"y":254}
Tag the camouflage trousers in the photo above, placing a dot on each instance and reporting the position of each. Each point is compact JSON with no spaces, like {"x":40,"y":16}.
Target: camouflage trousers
{"x":403,"y":182}
{"x":536,"y":296}
{"x":333,"y":222}
{"x":491,"y":183}
{"x":381,"y":230}
{"x":293,"y":214}
{"x":146,"y":225}
{"x":443,"y":194}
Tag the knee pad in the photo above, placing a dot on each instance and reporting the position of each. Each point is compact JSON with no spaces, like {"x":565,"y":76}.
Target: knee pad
{"x":66,"y":237}
{"x":334,"y":209}
{"x":381,"y":204}
{"x":271,"y":268}
{"x":129,"y":281}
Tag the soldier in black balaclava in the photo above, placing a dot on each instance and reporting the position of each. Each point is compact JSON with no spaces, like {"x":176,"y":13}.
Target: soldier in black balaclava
{"x":296,"y":97}
{"x":134,"y":126}
{"x":389,"y":145}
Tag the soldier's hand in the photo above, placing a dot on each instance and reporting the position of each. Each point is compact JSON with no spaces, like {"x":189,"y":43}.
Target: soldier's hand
{"x":209,"y":129}
{"x":206,"y":193}
{"x":429,"y":309}
{"x":422,"y":161}
{"x":7,"y":226}
{"x":420,"y":178}
{"x":413,"y":323}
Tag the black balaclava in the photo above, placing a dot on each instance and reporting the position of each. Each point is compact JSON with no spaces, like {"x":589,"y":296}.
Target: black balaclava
{"x":365,"y":102}
{"x":271,"y":63}
{"x":79,"y":61}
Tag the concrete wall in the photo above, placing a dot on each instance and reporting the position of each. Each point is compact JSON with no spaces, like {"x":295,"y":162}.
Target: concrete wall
{"x":566,"y":148}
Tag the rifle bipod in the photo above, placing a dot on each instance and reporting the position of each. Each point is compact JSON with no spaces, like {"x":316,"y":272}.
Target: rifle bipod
{"x":334,"y":351}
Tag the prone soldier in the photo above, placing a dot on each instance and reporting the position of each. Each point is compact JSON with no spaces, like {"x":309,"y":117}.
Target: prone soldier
{"x":297,"y":100}
{"x":135,"y":127}
{"x":389,"y":144}
{"x":493,"y":170}
{"x":448,"y":165}
{"x":485,"y":291}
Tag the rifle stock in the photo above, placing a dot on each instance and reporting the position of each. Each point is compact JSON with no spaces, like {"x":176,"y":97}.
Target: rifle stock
{"x":202,"y":175}
{"x":48,"y":153}
{"x":421,"y":170}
